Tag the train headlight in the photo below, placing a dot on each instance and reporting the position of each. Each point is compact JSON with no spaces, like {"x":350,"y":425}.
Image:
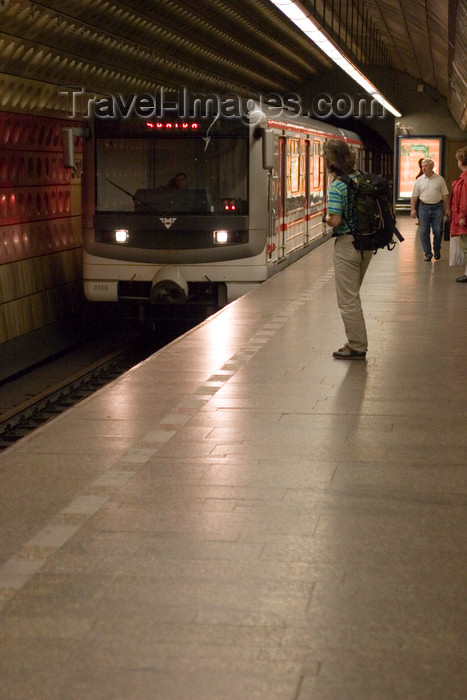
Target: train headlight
{"x":121,"y":235}
{"x":220,"y":237}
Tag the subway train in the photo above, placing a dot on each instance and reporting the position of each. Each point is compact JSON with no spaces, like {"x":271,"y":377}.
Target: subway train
{"x":199,"y":210}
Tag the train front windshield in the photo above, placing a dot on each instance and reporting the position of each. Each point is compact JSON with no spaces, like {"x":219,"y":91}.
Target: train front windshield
{"x":172,"y":170}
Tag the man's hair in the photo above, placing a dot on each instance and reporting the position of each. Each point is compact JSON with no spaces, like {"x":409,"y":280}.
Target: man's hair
{"x":428,"y":160}
{"x":338,"y":157}
{"x":461,"y":154}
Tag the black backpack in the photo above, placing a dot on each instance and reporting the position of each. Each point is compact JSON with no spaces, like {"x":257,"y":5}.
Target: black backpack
{"x":370,"y":196}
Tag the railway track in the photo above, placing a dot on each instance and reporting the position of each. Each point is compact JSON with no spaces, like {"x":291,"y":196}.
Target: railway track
{"x":23,"y":419}
{"x":23,"y":412}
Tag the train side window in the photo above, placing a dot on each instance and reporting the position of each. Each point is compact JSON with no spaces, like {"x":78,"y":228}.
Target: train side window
{"x":316,"y":165}
{"x":295,"y":173}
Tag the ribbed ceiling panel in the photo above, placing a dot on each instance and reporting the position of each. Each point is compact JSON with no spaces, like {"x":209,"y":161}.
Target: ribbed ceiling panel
{"x":217,"y":45}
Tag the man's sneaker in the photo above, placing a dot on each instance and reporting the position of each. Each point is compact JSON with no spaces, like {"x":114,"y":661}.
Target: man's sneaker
{"x":428,"y":258}
{"x":437,"y":256}
{"x":347,"y":353}
{"x":462,"y":279}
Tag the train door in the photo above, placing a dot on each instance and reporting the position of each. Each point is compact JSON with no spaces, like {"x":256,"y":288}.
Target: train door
{"x":316,"y":191}
{"x":295,"y":195}
{"x":307,"y":190}
{"x":275,"y":201}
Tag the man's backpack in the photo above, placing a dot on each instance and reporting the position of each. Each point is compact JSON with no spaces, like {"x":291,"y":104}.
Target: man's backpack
{"x":370,"y":196}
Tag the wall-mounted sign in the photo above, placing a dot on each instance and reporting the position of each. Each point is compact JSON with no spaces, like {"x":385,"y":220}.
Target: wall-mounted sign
{"x":409,"y":151}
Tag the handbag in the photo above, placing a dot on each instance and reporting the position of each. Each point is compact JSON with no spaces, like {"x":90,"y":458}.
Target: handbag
{"x":447,"y":225}
{"x":456,"y":254}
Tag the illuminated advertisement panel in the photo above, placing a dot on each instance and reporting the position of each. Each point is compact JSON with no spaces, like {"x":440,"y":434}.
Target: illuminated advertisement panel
{"x":409,"y":151}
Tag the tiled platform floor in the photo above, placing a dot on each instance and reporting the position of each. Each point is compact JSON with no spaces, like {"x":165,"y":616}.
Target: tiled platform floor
{"x":242,"y":517}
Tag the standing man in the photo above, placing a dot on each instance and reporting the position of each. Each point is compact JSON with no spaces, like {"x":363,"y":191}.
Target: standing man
{"x":433,"y":194}
{"x":350,"y":264}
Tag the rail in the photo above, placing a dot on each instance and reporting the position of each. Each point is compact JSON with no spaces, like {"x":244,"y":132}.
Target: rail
{"x":22,"y":420}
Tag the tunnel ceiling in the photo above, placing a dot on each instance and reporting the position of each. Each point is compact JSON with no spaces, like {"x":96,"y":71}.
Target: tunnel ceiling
{"x":241,"y":46}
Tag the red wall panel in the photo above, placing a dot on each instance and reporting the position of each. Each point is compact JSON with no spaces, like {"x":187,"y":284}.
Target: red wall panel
{"x":36,"y":216}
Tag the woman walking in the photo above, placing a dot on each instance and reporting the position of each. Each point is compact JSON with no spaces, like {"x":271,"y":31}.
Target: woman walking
{"x":458,"y":225}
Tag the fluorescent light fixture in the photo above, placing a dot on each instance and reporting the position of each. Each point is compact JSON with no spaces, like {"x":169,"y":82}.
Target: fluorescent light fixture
{"x":299,"y":17}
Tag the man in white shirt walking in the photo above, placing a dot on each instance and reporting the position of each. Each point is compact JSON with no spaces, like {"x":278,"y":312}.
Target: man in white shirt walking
{"x":430,"y":188}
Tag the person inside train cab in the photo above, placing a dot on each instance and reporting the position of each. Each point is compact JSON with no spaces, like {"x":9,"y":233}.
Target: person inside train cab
{"x":433,"y":194}
{"x":178,"y":182}
{"x":350,"y":265}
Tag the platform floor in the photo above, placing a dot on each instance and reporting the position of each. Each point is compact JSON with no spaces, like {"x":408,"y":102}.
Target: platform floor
{"x":242,"y":517}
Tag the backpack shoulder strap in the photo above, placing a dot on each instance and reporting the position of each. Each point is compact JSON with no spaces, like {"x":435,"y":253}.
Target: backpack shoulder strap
{"x":349,"y":181}
{"x":352,"y":187}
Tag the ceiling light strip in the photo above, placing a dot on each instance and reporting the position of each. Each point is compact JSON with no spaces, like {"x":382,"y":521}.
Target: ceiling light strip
{"x":304,"y":22}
